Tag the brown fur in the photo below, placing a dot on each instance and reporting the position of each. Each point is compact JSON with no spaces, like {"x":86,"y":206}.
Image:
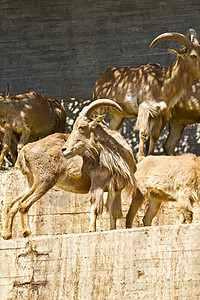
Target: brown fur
{"x":149,"y":90}
{"x":30,"y":116}
{"x":112,"y":159}
{"x":186,"y":111}
{"x":44,"y":166}
{"x":107,"y":166}
{"x":14,"y":138}
{"x":167,"y":178}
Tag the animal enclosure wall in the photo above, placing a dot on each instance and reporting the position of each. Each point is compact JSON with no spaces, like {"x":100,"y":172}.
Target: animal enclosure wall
{"x":61,"y":47}
{"x":158,"y":262}
{"x":145,"y":263}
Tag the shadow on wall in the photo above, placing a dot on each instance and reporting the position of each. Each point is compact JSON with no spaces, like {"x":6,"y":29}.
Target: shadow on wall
{"x":189,"y":142}
{"x":73,"y":108}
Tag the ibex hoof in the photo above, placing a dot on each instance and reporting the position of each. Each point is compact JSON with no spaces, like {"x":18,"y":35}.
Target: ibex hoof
{"x":140,"y":158}
{"x":6,"y":235}
{"x":26,"y":233}
{"x":92,"y":230}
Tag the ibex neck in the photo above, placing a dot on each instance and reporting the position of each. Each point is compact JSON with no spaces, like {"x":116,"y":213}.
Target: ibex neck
{"x":177,"y":82}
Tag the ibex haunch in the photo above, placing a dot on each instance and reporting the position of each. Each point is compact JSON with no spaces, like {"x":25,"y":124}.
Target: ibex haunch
{"x":166,"y":178}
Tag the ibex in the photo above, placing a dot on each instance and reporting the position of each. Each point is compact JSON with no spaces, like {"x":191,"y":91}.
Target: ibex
{"x":148,"y":91}
{"x":29,"y":116}
{"x":101,"y":161}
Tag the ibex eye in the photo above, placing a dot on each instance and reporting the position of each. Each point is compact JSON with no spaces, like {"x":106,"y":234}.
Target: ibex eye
{"x":193,"y":56}
{"x":82,"y":127}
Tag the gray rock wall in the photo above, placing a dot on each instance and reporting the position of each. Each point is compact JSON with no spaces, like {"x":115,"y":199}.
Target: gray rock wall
{"x":60,"y":48}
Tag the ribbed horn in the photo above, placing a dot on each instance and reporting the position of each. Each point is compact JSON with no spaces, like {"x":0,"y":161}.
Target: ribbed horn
{"x":193,"y":36}
{"x":88,"y":110}
{"x":175,"y":36}
{"x":7,"y":94}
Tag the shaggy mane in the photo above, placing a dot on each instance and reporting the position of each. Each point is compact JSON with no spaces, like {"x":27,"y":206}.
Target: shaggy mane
{"x":109,"y":150}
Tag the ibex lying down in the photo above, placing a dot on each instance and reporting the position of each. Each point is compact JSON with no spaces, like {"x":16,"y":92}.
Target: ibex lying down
{"x":106,"y":165}
{"x":167,"y":178}
{"x":149,"y":90}
{"x":30,"y":116}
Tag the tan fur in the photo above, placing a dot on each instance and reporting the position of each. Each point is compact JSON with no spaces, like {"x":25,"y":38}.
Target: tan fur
{"x":14,"y":138}
{"x":158,"y":87}
{"x":29,"y":116}
{"x":167,"y":178}
{"x":44,"y":166}
{"x":115,"y":158}
{"x":96,"y":172}
{"x":112,"y":159}
{"x":186,"y":111}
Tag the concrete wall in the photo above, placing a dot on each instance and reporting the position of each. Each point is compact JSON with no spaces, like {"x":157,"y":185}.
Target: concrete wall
{"x":60,"y":47}
{"x":158,"y":262}
{"x":145,"y":263}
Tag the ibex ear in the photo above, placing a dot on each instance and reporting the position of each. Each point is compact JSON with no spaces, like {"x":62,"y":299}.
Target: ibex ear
{"x":176,"y":52}
{"x":96,"y":121}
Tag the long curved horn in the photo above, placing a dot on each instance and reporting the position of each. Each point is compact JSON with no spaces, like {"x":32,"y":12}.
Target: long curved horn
{"x":7,"y":94}
{"x":88,"y":110}
{"x":191,"y":33}
{"x":171,"y":36}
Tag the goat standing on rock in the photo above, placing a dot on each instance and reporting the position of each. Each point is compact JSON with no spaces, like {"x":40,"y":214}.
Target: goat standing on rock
{"x":150,"y":90}
{"x":113,"y":164}
{"x":97,"y":160}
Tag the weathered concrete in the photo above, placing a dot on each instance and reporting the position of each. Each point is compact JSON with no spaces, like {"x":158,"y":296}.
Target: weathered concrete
{"x":145,"y":263}
{"x":60,"y":48}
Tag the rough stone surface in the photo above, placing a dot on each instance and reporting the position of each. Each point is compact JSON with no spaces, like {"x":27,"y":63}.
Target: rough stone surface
{"x":60,"y":48}
{"x":161,"y":262}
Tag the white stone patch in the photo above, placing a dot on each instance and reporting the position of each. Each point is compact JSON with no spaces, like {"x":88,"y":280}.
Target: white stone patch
{"x":132,"y":97}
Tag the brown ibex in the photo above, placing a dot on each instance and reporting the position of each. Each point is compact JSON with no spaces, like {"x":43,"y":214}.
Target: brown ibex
{"x":112,"y":160}
{"x":150,"y":90}
{"x":30,"y":116}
